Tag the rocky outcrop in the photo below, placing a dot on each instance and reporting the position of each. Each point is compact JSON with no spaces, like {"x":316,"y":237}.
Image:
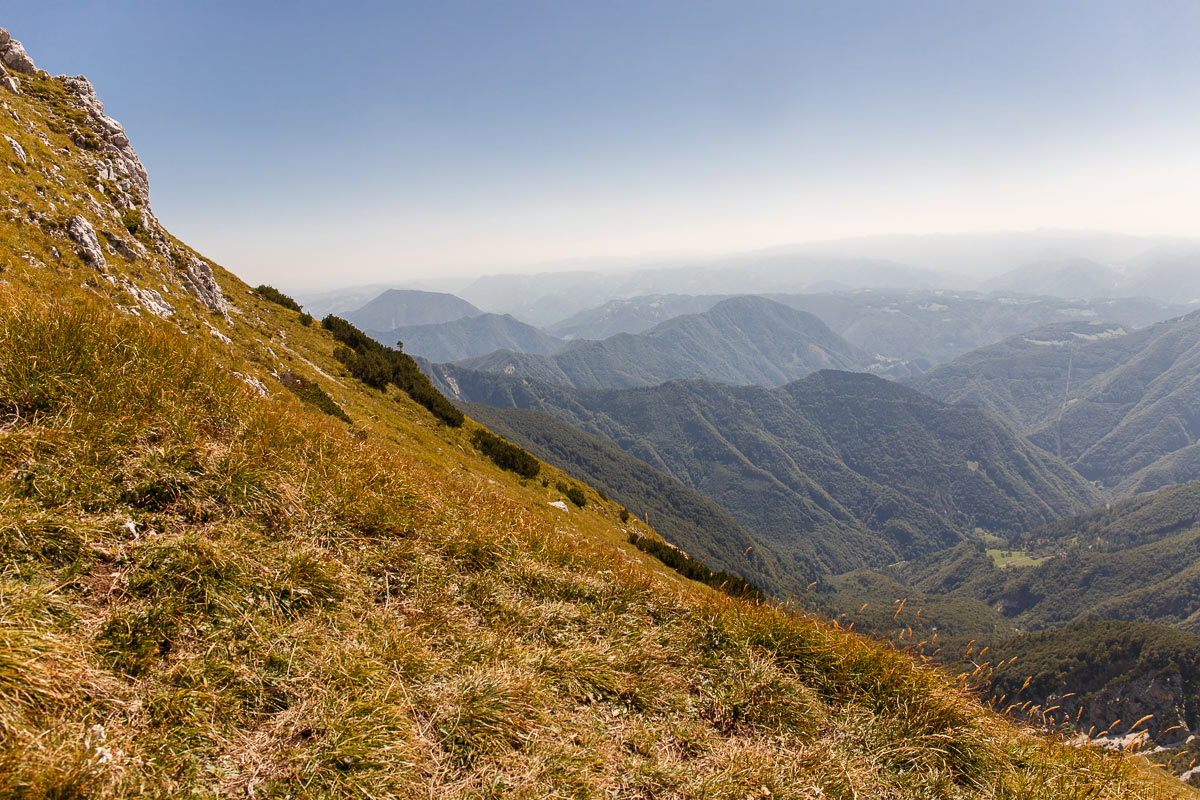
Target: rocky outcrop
{"x":84,"y":235}
{"x":198,"y":277}
{"x":13,"y":55}
{"x":105,"y":151}
{"x":123,"y":166}
{"x":9,"y":82}
{"x":18,"y":151}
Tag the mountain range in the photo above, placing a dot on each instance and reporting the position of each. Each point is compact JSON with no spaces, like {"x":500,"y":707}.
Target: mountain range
{"x":841,"y":469}
{"x":745,"y":339}
{"x":1121,"y":406}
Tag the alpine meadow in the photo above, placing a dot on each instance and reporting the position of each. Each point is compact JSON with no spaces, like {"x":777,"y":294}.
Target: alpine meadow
{"x":348,"y":510}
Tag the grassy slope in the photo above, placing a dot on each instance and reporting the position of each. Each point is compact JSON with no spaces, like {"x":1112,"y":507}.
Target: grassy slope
{"x":208,"y":592}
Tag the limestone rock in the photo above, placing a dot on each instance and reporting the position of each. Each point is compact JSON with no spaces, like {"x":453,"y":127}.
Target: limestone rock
{"x":199,"y":279}
{"x":121,"y":246}
{"x":11,"y":83}
{"x":124,"y":159}
{"x":84,"y":235}
{"x":4,"y":37}
{"x":16,"y":148}
{"x":13,"y":54}
{"x":149,"y":299}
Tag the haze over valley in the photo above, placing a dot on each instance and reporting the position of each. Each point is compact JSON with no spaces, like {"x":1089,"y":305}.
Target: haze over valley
{"x":673,"y":400}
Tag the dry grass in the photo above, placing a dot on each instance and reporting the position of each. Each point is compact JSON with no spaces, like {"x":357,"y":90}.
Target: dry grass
{"x":208,"y":593}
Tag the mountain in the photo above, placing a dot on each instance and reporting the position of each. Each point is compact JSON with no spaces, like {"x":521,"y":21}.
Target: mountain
{"x":744,"y":339}
{"x":920,"y":329}
{"x":547,"y":298}
{"x":1073,"y":277}
{"x":1122,"y":407}
{"x":685,"y":517}
{"x":470,"y":336}
{"x":397,"y":308}
{"x":216,"y":585}
{"x":631,"y":315}
{"x":1171,"y":276}
{"x":842,"y":470}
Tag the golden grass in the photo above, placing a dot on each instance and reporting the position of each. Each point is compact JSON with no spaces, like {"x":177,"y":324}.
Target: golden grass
{"x":207,"y":592}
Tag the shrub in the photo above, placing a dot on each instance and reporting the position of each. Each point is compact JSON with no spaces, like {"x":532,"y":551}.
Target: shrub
{"x":573,"y":493}
{"x":311,"y":392}
{"x":377,"y":366}
{"x":306,"y":319}
{"x":132,"y":221}
{"x":689,"y":567}
{"x":275,"y":296}
{"x":505,"y":454}
{"x":624,"y":515}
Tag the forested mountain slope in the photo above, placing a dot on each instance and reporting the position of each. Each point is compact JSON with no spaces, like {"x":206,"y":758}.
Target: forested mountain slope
{"x":215,"y":585}
{"x":1121,"y":406}
{"x":741,"y":340}
{"x":843,"y":469}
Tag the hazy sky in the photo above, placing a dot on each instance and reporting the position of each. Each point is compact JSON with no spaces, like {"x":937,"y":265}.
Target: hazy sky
{"x":331,"y":143}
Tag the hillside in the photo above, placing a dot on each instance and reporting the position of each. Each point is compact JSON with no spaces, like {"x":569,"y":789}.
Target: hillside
{"x":842,"y":470}
{"x":1100,"y":673}
{"x":741,"y":340}
{"x":921,"y":329}
{"x":683,"y":516}
{"x":1121,"y":406}
{"x":631,"y":315}
{"x":469,"y":336}
{"x":1137,"y":560}
{"x":395,"y":308}
{"x":1075,"y":277}
{"x":216,"y":586}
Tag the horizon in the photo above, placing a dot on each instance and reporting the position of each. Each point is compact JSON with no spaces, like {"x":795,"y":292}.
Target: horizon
{"x":424,"y":142}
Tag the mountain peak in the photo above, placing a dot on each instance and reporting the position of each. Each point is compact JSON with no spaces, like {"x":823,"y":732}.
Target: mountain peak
{"x":92,"y":193}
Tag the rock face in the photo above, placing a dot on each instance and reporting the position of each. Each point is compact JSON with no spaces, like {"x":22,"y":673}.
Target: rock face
{"x":126,"y":168}
{"x":105,"y":151}
{"x":199,"y":280}
{"x":84,"y":235}
{"x":13,"y":54}
{"x":18,"y":151}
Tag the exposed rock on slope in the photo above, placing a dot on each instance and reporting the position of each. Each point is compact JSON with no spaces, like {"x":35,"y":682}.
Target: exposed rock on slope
{"x":91,"y":191}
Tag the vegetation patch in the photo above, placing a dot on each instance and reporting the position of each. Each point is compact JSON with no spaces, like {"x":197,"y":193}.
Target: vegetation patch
{"x":377,"y":366}
{"x":689,"y":567}
{"x":506,"y":455}
{"x":275,"y":296}
{"x":312,"y":393}
{"x":572,"y":493}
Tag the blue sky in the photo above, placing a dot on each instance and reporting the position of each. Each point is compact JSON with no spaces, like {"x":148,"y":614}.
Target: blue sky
{"x":315,"y":143}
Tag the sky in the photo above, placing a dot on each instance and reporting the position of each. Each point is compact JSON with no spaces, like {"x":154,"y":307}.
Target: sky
{"x":320,"y":144}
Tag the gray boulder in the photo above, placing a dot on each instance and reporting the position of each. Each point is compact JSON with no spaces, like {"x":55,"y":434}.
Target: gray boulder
{"x":198,"y":278}
{"x":13,"y":54}
{"x":84,"y":235}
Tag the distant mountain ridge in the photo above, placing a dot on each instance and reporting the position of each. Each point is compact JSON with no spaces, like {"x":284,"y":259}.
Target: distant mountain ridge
{"x":1122,"y":406}
{"x":742,"y":340}
{"x":632,"y":315}
{"x":397,"y":308}
{"x":841,"y":469}
{"x":470,"y":336}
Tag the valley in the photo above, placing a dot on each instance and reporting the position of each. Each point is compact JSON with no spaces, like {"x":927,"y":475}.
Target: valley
{"x":813,"y":521}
